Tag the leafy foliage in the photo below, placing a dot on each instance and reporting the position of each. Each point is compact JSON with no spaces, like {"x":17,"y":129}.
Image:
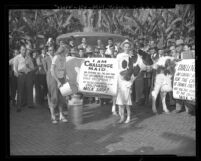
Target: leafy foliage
{"x":37,"y":25}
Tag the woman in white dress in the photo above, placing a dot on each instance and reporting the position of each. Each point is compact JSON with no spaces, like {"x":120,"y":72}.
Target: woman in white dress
{"x":124,"y":86}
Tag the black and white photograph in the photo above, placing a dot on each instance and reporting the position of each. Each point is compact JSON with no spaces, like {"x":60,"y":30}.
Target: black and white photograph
{"x":102,"y":81}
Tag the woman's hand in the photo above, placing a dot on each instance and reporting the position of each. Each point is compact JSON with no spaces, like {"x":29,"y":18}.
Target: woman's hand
{"x":59,"y":84}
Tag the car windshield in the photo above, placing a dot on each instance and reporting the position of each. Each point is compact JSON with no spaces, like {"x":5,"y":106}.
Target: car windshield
{"x":91,"y":37}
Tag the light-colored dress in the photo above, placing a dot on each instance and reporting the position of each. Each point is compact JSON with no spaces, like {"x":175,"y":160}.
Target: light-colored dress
{"x":123,"y":86}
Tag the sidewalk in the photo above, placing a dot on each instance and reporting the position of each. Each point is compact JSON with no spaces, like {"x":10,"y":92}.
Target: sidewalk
{"x":32,"y":133}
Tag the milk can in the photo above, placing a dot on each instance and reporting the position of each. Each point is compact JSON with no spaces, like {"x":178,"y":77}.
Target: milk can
{"x":75,"y":106}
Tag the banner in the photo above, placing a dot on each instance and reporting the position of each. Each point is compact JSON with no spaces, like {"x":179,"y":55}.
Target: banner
{"x":184,"y":80}
{"x":98,"y":76}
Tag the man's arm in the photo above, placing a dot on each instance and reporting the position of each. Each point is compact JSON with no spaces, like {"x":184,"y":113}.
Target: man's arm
{"x":15,"y":67}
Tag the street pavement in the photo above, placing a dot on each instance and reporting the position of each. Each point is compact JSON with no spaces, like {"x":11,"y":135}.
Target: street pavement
{"x":32,"y":133}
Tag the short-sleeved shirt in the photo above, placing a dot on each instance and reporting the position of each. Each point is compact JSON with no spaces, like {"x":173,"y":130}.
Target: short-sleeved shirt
{"x":60,"y":63}
{"x":20,"y":64}
{"x":29,"y":63}
{"x":11,"y":62}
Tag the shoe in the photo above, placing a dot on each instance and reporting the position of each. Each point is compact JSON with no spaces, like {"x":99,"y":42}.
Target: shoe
{"x":63,"y":120}
{"x":121,"y":120}
{"x":54,"y":121}
{"x":166,"y":112}
{"x":176,"y":111}
{"x":127,"y":121}
{"x":155,"y":111}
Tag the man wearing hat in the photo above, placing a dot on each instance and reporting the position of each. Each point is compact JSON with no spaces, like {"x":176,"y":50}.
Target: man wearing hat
{"x":71,"y":43}
{"x":20,"y":71}
{"x":110,"y":48}
{"x":180,"y":103}
{"x":139,"y":83}
{"x":41,"y":78}
{"x":30,"y":76}
{"x":84,"y":44}
{"x":148,"y":75}
{"x":179,"y":48}
{"x":187,"y":53}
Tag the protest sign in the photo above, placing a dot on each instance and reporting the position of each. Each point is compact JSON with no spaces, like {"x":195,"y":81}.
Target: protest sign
{"x":99,"y":76}
{"x":184,"y":80}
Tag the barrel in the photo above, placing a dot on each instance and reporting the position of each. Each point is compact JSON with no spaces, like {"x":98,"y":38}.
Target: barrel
{"x":75,"y":106}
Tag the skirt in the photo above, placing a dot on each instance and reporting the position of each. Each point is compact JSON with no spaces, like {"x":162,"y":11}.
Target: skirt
{"x":124,"y":93}
{"x":53,"y":91}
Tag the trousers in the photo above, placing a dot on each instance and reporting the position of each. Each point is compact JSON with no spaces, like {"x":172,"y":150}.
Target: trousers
{"x":29,"y":87}
{"x":13,"y":86}
{"x":21,"y":90}
{"x":41,"y":87}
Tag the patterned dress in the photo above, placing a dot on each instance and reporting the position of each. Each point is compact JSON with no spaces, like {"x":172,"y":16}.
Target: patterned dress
{"x":124,"y":87}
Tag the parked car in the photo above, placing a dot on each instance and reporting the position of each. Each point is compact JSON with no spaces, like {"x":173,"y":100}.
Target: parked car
{"x":91,"y":37}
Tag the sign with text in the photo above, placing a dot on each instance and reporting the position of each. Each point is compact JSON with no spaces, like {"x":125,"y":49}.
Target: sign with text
{"x":184,"y":80}
{"x":99,"y":76}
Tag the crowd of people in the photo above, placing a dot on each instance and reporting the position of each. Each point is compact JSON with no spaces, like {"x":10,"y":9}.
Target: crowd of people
{"x":31,"y":69}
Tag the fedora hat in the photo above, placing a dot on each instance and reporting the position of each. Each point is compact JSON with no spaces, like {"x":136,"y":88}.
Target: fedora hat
{"x":126,"y":42}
